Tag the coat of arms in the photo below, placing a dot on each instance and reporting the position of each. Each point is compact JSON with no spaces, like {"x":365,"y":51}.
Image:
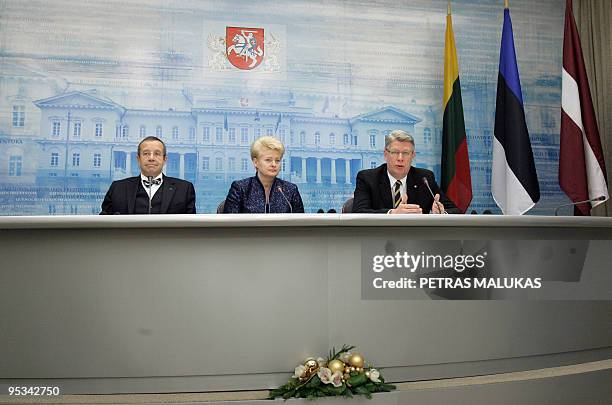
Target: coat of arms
{"x":244,"y":46}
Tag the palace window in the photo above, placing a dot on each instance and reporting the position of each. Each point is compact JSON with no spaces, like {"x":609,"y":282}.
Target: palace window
{"x":143,"y":131}
{"x":244,"y":135}
{"x":98,"y":130}
{"x":56,"y":129}
{"x":14,"y":168}
{"x":158,"y":132}
{"x":18,"y":116}
{"x":97,"y":159}
{"x":205,"y":163}
{"x":206,"y":134}
{"x":372,"y":140}
{"x":76,"y":159}
{"x":244,"y":164}
{"x":54,"y":159}
{"x":175,"y":133}
{"x":231,"y":164}
{"x":218,"y":135}
{"x":232,"y":135}
{"x":76,"y":132}
{"x":218,"y":164}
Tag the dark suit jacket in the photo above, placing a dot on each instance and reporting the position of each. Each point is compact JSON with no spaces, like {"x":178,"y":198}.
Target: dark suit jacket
{"x":178,"y":197}
{"x":373,"y":191}
{"x":247,"y":196}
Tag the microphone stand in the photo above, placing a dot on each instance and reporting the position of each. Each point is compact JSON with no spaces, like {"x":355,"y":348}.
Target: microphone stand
{"x":600,"y":198}
{"x":279,"y":188}
{"x":433,"y":196}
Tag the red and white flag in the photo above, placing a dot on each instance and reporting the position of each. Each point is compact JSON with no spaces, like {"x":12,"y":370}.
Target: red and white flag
{"x":582,"y":170}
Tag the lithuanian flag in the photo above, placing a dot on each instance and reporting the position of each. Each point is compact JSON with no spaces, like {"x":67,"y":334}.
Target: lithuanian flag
{"x":456,"y":181}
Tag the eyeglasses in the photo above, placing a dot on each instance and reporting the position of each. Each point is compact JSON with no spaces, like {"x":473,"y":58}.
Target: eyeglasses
{"x":397,"y":153}
{"x":147,"y":154}
{"x":270,"y":161}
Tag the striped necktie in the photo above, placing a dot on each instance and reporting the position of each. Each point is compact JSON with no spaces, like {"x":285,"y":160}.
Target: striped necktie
{"x":397,"y":198}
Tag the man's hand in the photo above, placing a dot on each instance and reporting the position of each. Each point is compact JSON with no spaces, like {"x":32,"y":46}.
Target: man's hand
{"x":405,"y":208}
{"x":437,"y":207}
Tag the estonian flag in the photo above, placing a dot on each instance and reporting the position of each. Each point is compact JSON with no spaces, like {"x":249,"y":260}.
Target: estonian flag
{"x":456,"y":181}
{"x":514,"y":182}
{"x":582,"y":170}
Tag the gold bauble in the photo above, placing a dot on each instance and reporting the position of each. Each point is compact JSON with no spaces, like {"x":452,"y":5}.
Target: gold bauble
{"x":356,"y":360}
{"x":358,"y":369}
{"x":346,"y":377}
{"x":335,"y":365}
{"x":347,"y":369}
{"x":367,"y":374}
{"x":311,"y":364}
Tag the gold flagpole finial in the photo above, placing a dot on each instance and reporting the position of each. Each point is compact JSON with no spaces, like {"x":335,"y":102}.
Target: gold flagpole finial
{"x":506,"y":4}
{"x":449,"y":8}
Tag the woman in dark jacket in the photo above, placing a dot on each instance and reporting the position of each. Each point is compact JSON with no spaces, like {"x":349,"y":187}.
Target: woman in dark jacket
{"x":264,"y":192}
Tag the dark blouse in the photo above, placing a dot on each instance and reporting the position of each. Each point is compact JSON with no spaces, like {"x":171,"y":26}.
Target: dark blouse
{"x":247,"y":196}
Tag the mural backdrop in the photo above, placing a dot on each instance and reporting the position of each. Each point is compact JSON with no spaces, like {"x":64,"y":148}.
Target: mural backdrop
{"x":82,"y":82}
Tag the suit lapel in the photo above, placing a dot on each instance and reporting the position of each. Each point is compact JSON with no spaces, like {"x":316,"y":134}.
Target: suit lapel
{"x":385,"y":188}
{"x":168,"y":188}
{"x":411,"y":190}
{"x":132,"y":191}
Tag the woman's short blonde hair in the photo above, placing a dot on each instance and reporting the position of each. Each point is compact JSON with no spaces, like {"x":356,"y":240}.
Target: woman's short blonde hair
{"x":266,"y":143}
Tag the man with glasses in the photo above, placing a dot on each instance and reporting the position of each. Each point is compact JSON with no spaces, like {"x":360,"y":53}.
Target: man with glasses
{"x":396,"y":187}
{"x":151,"y":192}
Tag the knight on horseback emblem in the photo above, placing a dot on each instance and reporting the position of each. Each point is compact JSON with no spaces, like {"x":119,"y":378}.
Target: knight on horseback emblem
{"x":244,"y":46}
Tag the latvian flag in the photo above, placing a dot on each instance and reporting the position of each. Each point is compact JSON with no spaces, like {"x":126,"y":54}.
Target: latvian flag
{"x":456,"y":181}
{"x":514,"y":181}
{"x":582,"y":171}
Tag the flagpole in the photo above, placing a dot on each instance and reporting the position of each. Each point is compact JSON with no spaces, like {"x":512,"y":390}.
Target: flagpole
{"x":506,"y":4}
{"x":449,"y":8}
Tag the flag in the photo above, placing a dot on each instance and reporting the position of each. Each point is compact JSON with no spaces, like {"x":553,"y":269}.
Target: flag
{"x":325,"y":105}
{"x":514,"y":182}
{"x":257,"y":118}
{"x":225,"y":125}
{"x":278,"y":121}
{"x":456,"y":181}
{"x":582,"y":171}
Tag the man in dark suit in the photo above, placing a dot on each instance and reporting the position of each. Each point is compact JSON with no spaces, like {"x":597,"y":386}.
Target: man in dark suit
{"x":151,"y":192}
{"x":398,"y":188}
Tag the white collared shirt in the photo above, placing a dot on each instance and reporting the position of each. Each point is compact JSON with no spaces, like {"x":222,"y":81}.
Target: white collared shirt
{"x":392,"y":181}
{"x":154,"y":187}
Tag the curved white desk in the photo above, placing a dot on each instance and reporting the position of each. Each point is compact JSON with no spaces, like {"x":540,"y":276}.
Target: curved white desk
{"x":106,"y":304}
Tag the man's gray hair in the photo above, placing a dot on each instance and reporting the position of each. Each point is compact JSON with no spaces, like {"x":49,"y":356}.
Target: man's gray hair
{"x":400,"y":136}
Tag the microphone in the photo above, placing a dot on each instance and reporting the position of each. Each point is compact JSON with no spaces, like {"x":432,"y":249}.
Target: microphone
{"x":149,"y":186}
{"x":432,"y":194}
{"x":600,"y":198}
{"x":279,"y":188}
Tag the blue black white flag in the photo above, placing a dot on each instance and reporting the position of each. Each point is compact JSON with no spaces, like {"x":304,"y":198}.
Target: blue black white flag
{"x":514,"y":182}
